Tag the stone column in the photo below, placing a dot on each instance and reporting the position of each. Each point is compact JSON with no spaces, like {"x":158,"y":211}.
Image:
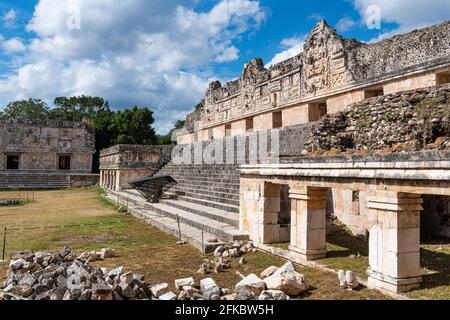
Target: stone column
{"x":269,"y":211}
{"x":101,"y":179}
{"x":114,"y":180}
{"x":308,"y":224}
{"x":394,"y":243}
{"x":108,"y":184}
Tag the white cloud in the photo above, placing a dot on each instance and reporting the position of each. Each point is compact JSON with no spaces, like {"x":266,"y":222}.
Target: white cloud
{"x":143,"y":52}
{"x":229,"y":54}
{"x":14,"y":45}
{"x":9,"y":19}
{"x":345,"y":24}
{"x":292,"y":47}
{"x":408,"y":14}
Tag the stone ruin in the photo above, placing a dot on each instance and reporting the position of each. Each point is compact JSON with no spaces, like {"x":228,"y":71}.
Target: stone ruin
{"x":63,"y":276}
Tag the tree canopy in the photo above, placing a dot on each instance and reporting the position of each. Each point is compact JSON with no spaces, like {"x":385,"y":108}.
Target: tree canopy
{"x":31,"y":109}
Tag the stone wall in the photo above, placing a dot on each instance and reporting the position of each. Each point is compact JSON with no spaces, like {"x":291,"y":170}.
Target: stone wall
{"x":329,"y":64}
{"x":407,"y":121}
{"x":39,"y":144}
{"x":135,"y":156}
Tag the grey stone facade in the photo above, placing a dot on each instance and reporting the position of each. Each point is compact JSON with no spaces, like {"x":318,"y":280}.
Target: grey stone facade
{"x":39,"y":146}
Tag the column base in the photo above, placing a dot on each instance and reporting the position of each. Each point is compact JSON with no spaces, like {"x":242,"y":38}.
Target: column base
{"x":380,"y":281}
{"x":299,"y":255}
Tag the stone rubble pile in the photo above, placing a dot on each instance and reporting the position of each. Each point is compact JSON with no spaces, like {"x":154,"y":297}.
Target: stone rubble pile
{"x":63,"y":276}
{"x":9,"y":203}
{"x":223,"y":255}
{"x":406,"y":121}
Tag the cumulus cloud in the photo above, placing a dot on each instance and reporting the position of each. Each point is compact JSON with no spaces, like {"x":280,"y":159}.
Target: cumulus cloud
{"x":291,"y":48}
{"x":14,"y":45}
{"x":229,"y":54}
{"x":9,"y":19}
{"x":408,"y":14}
{"x":143,"y":52}
{"x":345,"y":24}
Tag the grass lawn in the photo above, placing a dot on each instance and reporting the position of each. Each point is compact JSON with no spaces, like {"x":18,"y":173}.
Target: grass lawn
{"x":142,"y":248}
{"x":346,"y":252}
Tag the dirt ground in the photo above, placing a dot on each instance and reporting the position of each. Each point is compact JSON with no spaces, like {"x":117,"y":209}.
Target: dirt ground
{"x":79,"y":219}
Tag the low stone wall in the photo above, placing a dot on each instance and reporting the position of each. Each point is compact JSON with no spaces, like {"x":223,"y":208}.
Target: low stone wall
{"x":83,"y":180}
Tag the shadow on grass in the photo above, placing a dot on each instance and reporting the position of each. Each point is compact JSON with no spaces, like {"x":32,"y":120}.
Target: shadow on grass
{"x":439,"y":264}
{"x":344,"y":244}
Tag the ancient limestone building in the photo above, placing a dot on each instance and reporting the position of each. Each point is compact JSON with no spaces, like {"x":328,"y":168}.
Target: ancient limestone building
{"x":46,"y":154}
{"x":331,"y":74}
{"x":346,"y":130}
{"x":124,"y":163}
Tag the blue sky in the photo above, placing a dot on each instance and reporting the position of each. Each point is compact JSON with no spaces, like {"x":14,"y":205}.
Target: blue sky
{"x":162,"y":54}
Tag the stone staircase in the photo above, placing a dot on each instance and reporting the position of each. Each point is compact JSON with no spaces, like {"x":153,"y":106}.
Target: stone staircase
{"x":31,"y":181}
{"x":206,"y":199}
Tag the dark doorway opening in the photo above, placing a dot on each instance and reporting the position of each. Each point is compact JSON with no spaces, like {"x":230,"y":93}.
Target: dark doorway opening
{"x":64,"y":162}
{"x":12,"y":162}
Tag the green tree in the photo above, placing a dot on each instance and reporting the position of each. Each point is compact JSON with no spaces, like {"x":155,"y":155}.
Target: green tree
{"x":32,"y":109}
{"x":78,"y":108}
{"x":134,"y":126}
{"x":167,"y":139}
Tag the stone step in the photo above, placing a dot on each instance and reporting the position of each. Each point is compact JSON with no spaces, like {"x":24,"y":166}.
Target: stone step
{"x":205,"y":177}
{"x":218,"y":173}
{"x":212,"y":213}
{"x":208,"y":183}
{"x":202,"y":167}
{"x":208,"y":188}
{"x":193,"y":189}
{"x":204,"y":196}
{"x":166,"y":224}
{"x":219,"y":229}
{"x":211,"y":204}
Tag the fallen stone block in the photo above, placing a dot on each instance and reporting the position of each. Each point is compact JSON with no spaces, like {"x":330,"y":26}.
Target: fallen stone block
{"x":268,"y":272}
{"x":251,"y":283}
{"x":107,"y":253}
{"x":209,"y":288}
{"x":273,"y":295}
{"x":159,"y":289}
{"x":168,"y":296}
{"x":290,"y":282}
{"x":179,"y":283}
{"x":352,"y":280}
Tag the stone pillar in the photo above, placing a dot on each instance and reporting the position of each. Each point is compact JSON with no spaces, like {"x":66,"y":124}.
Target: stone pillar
{"x":114,"y":180}
{"x":308,"y":224}
{"x":394,"y":243}
{"x":269,"y":211}
{"x":102,"y":179}
{"x":108,"y":184}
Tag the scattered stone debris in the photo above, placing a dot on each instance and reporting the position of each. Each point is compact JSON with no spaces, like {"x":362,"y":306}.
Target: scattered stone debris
{"x":64,"y":276}
{"x":9,"y":203}
{"x":348,"y":280}
{"x":223,"y":255}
